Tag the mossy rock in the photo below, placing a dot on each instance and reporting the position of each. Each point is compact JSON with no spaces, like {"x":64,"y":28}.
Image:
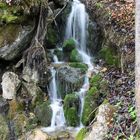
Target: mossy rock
{"x":95,"y":80}
{"x":20,"y":122}
{"x":81,"y":134}
{"x":51,"y":38}
{"x":90,"y":105}
{"x":94,"y":97}
{"x":4,"y":130}
{"x":43,"y":112}
{"x":75,"y":56}
{"x":71,"y":109}
{"x":69,"y":45}
{"x":109,"y":56}
{"x":82,"y":66}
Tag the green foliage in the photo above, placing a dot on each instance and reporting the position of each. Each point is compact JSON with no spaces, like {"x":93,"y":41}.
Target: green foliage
{"x":109,"y":56}
{"x":71,"y":106}
{"x":81,"y":134}
{"x":75,"y":56}
{"x":132,"y":112}
{"x":99,"y":5}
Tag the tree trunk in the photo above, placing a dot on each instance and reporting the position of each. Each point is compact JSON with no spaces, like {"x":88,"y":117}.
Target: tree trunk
{"x":137,"y":62}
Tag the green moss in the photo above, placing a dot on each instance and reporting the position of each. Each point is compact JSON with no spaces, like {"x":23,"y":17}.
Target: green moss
{"x":90,"y":105}
{"x":68,"y":45}
{"x":4,"y":131}
{"x":75,"y":56}
{"x":81,"y":134}
{"x":95,"y":80}
{"x":71,"y":108}
{"x":109,"y":56}
{"x":82,"y":66}
{"x":9,"y":18}
{"x":51,"y":36}
{"x":43,"y":113}
{"x":72,"y":117}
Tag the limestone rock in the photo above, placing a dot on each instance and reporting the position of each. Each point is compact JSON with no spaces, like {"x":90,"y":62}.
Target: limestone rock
{"x":10,"y":84}
{"x":14,"y":39}
{"x":37,"y":134}
{"x":70,"y":79}
{"x":100,"y":127}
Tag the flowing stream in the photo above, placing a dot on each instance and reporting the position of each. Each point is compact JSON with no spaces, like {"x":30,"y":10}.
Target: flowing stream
{"x":76,"y":28}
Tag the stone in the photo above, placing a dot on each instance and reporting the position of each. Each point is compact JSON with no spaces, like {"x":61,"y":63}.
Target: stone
{"x":70,"y":79}
{"x":4,"y":106}
{"x":101,"y":126}
{"x":14,"y":39}
{"x":43,"y":112}
{"x":10,"y":85}
{"x":37,"y":134}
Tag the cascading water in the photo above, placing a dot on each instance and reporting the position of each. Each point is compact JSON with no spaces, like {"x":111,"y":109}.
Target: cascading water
{"x":77,"y":29}
{"x":58,"y":119}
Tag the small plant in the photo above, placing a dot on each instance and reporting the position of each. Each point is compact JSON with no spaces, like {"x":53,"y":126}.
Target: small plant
{"x":132,"y":112}
{"x":99,"y":5}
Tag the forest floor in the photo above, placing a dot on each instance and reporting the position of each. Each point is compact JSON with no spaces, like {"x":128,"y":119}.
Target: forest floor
{"x":121,"y":83}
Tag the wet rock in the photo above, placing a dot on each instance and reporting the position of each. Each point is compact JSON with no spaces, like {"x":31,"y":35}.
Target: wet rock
{"x":10,"y":85}
{"x":43,"y":112}
{"x":14,"y":39}
{"x":4,"y":131}
{"x":4,"y":106}
{"x":101,"y":126}
{"x":70,"y":79}
{"x":71,"y":109}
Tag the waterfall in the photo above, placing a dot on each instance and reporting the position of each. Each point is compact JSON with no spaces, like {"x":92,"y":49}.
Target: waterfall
{"x":58,"y":119}
{"x":77,"y":29}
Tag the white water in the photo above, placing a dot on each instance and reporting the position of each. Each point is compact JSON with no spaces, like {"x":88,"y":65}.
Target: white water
{"x":77,"y":29}
{"x":58,"y":119}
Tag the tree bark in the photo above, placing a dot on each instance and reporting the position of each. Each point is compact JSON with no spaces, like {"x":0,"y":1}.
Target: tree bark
{"x":137,"y":61}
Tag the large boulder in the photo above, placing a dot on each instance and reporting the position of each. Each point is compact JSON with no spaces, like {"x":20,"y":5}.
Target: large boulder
{"x":14,"y":39}
{"x":10,"y":85}
{"x":71,"y":109}
{"x":70,"y":79}
{"x":101,"y":126}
